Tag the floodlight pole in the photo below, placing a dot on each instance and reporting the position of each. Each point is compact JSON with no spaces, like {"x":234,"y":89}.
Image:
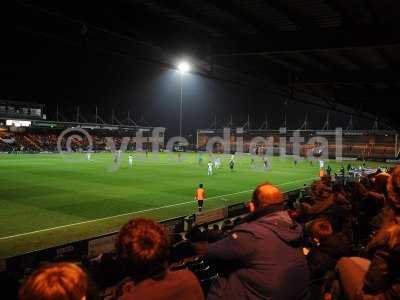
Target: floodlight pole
{"x":183,"y":67}
{"x":181,"y":104}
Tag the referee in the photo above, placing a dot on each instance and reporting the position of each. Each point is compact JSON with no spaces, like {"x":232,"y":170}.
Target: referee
{"x":200,"y":196}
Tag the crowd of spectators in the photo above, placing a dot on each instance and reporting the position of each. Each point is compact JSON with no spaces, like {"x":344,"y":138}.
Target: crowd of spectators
{"x":339,"y":240}
{"x":34,"y":142}
{"x":45,"y":139}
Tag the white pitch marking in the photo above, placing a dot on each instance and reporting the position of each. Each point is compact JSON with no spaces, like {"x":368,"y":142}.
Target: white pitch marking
{"x":136,"y":212}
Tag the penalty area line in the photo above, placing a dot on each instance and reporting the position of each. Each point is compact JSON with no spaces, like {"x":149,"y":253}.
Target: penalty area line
{"x":137,"y":212}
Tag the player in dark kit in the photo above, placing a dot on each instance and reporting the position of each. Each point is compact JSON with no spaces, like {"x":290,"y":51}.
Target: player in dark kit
{"x":231,"y":164}
{"x":329,"y":170}
{"x":342,"y":171}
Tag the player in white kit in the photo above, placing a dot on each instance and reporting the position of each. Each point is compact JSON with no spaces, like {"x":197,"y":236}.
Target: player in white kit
{"x":217,"y":163}
{"x":210,"y":168}
{"x":130,"y":160}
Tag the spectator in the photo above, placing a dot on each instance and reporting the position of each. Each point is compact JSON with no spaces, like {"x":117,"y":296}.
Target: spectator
{"x":330,"y":204}
{"x":326,"y":180}
{"x":227,"y":225}
{"x":237,"y":221}
{"x":214,"y":234}
{"x":61,"y":281}
{"x":106,"y":270}
{"x":143,"y":246}
{"x":199,"y":239}
{"x":328,"y":247}
{"x":379,"y":277}
{"x":196,"y":235}
{"x":181,"y":249}
{"x":380,"y":183}
{"x":265,"y":250}
{"x":322,"y":196}
{"x":374,"y":199}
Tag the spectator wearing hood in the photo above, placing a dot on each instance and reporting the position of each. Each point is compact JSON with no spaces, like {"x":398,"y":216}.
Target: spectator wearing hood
{"x":269,"y":264}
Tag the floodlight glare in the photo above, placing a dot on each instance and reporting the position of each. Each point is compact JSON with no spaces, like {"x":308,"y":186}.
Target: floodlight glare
{"x":183,"y":67}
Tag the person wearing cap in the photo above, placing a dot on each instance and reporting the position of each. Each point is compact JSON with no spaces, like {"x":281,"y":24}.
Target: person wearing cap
{"x":264,"y":252}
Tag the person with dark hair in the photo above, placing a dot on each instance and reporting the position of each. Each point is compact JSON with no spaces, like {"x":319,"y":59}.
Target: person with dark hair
{"x":329,"y":202}
{"x":379,"y":277}
{"x":231,"y":164}
{"x":328,"y":171}
{"x":227,"y":225}
{"x":181,"y":249}
{"x":200,"y":196}
{"x":198,"y":237}
{"x":214,"y":234}
{"x":342,"y":171}
{"x":369,"y":204}
{"x":60,"y":281}
{"x":143,"y":246}
{"x":265,"y":253}
{"x":328,"y":247}
{"x":237,"y":221}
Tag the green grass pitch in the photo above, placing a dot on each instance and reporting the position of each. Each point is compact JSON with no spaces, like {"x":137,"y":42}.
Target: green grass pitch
{"x":48,"y":200}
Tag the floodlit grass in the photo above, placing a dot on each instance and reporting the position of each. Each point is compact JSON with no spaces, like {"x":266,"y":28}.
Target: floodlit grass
{"x":48,"y":200}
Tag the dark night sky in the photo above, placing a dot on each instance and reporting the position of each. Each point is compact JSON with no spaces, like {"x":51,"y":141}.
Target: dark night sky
{"x":51,"y":72}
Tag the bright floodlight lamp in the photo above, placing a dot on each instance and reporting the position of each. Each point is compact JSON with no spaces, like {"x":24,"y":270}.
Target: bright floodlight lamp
{"x":183,"y":67}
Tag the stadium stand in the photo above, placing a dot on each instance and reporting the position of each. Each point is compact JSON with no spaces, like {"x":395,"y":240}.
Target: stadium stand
{"x":336,"y":220}
{"x":366,"y":144}
{"x":36,"y":141}
{"x":25,"y":129}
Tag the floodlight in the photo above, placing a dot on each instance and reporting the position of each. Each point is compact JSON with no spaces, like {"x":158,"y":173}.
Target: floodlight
{"x":183,"y":67}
